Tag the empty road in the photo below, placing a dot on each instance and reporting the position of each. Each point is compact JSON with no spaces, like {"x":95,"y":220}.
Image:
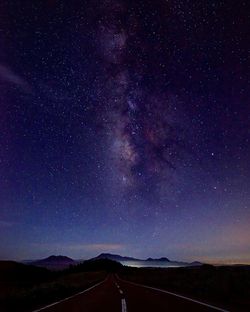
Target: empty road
{"x":116,"y":295}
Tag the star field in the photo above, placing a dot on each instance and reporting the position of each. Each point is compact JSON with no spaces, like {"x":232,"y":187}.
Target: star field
{"x":125,"y":128}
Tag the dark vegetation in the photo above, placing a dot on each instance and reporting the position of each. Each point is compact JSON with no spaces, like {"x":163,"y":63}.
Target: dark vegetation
{"x":225,"y":286}
{"x":26,"y":287}
{"x":107,"y":265}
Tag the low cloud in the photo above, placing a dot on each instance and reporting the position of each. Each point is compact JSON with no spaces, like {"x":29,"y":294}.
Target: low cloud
{"x":9,"y":76}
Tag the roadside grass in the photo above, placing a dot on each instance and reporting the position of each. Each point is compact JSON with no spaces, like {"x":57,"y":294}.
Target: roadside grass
{"x":27,"y":295}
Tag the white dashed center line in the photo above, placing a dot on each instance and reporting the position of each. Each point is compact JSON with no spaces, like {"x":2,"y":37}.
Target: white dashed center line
{"x":123,"y":301}
{"x":124,"y":305}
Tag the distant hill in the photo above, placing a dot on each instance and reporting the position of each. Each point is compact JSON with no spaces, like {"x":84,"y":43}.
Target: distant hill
{"x":196,"y":263}
{"x":115,"y":257}
{"x":124,"y":258}
{"x":54,"y":262}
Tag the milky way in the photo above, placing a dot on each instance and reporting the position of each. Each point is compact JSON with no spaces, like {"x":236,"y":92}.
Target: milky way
{"x":145,"y":122}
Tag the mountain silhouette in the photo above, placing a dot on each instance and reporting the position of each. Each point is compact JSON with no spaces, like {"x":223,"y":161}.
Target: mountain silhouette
{"x":125,"y":258}
{"x":54,"y":262}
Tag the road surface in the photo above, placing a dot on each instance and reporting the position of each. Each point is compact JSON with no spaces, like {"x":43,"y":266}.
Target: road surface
{"x":116,"y":295}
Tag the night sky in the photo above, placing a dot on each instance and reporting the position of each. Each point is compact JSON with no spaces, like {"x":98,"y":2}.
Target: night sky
{"x":125,"y":128}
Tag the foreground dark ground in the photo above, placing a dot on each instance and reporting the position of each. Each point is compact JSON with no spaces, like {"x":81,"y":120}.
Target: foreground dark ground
{"x":25,"y":288}
{"x":226,"y":286}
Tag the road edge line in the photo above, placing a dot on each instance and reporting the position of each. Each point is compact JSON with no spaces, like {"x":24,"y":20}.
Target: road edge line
{"x":65,"y":299}
{"x":176,"y":295}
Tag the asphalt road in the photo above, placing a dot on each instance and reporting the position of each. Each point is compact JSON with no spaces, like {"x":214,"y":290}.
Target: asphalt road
{"x":116,"y":295}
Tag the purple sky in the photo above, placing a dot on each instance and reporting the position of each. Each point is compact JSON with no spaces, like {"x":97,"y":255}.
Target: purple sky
{"x":125,"y":128}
